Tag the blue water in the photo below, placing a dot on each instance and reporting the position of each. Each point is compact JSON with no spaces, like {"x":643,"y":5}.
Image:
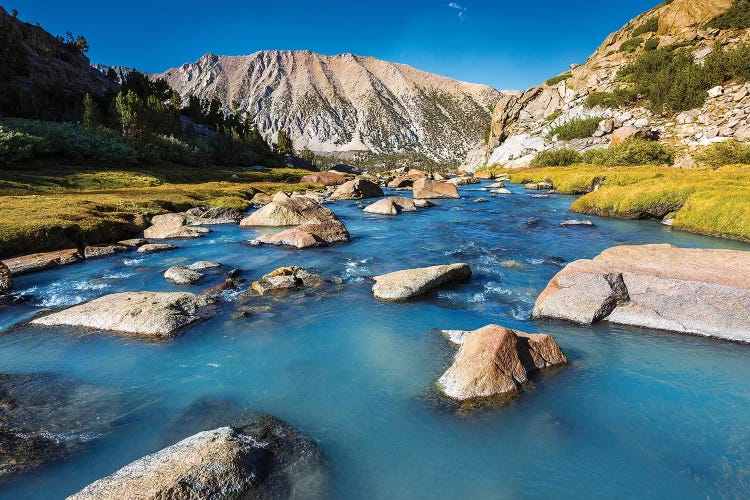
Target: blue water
{"x":638,"y":413}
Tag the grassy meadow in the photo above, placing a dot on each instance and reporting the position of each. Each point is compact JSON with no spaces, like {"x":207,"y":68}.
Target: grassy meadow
{"x":703,"y":200}
{"x":47,"y":206}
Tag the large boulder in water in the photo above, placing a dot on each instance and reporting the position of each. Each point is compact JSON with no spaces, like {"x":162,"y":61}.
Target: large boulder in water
{"x":263,"y":459}
{"x":700,"y":291}
{"x":409,"y":283}
{"x":357,"y":189}
{"x":316,"y":225}
{"x":152,"y":314}
{"x":392,"y":205}
{"x":493,"y":362}
{"x":428,"y":189}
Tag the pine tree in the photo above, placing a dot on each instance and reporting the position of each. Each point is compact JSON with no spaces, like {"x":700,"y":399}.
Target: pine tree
{"x":284,"y":142}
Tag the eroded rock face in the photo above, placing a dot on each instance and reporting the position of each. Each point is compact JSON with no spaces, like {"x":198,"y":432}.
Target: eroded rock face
{"x":6,"y":280}
{"x":41,"y":261}
{"x":700,"y":291}
{"x":325,"y":178}
{"x":393,"y":205}
{"x":492,"y":363}
{"x":428,"y":189}
{"x":151,"y":314}
{"x":357,"y":189}
{"x":286,"y":279}
{"x":263,"y":459}
{"x":316,"y":225}
{"x":409,"y":283}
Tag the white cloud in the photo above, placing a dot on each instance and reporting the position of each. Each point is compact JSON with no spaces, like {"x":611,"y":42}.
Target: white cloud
{"x":460,"y":8}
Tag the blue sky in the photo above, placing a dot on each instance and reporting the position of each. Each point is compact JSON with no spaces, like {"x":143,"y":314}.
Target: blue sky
{"x":504,"y":44}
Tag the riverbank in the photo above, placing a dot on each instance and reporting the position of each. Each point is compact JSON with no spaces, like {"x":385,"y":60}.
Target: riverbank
{"x":50,"y":207}
{"x":714,"y":202}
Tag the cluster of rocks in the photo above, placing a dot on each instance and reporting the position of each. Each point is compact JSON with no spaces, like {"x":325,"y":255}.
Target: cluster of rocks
{"x":286,"y":279}
{"x":314,"y":225}
{"x":190,"y":224}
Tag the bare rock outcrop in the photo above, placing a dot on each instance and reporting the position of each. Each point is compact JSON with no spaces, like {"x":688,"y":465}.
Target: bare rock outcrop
{"x":688,"y":290}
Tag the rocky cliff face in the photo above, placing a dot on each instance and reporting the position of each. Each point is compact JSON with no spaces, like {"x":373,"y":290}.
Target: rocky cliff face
{"x":346,"y":102}
{"x":42,"y":77}
{"x":521,"y":123}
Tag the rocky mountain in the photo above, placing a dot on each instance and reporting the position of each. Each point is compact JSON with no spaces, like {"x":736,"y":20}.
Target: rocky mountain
{"x":521,"y":122}
{"x":42,"y":76}
{"x":344,"y":103}
{"x":120,"y":72}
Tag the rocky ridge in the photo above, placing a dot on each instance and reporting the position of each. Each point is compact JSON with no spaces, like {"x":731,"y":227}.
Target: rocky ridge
{"x":521,"y":122}
{"x":344,"y":103}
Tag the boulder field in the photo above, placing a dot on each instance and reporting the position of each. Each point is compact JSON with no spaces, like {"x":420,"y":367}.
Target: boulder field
{"x":315,"y":224}
{"x":265,"y":458}
{"x":150,"y":314}
{"x":492,"y":362}
{"x":688,"y":290}
{"x":410,"y":283}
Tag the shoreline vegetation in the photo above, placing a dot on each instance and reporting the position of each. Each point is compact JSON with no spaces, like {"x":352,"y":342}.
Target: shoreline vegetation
{"x":712,"y":202}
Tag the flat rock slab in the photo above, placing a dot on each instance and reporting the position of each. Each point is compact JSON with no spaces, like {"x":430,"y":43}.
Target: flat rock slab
{"x":151,"y":314}
{"x":698,"y":291}
{"x":156,"y":247}
{"x":493,"y":362}
{"x":409,"y":283}
{"x":264,"y":459}
{"x":94,"y":251}
{"x":41,"y":261}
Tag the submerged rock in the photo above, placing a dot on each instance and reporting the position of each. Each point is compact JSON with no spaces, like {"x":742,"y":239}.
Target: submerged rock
{"x":156,"y":247}
{"x":493,"y":362}
{"x":403,"y":285}
{"x":263,"y":459}
{"x":576,"y":222}
{"x":286,"y":279}
{"x":152,"y":314}
{"x":41,"y":261}
{"x":357,"y":189}
{"x":393,"y":205}
{"x":45,"y":418}
{"x":425,"y":188}
{"x":173,"y":226}
{"x":700,"y":291}
{"x":316,"y":225}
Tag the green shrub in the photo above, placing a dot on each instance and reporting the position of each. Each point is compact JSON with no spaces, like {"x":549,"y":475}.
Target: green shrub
{"x":559,"y":78}
{"x":631,"y":45}
{"x":719,"y":154}
{"x":73,"y":141}
{"x":615,"y":99}
{"x":736,"y":17}
{"x":652,"y":43}
{"x":650,"y":26}
{"x":18,"y":146}
{"x":578,"y":128}
{"x":631,"y":152}
{"x":554,"y":115}
{"x":556,"y":158}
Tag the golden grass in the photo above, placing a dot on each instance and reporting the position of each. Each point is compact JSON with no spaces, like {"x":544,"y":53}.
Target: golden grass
{"x":707,"y":201}
{"x":87,"y":205}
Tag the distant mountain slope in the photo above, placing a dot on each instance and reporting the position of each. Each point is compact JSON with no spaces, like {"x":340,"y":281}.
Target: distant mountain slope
{"x":521,"y":123}
{"x":42,"y":77}
{"x":346,"y":102}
